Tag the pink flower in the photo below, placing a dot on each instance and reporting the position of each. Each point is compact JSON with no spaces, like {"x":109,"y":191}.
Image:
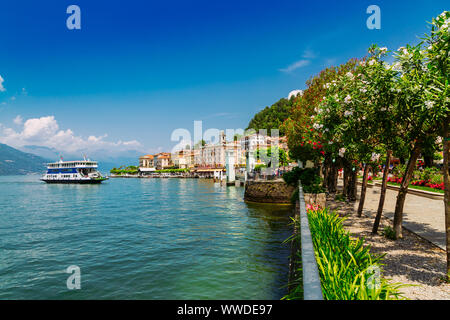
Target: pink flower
{"x":312,"y":207}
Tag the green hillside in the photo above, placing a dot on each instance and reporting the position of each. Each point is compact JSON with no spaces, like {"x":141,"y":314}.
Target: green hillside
{"x":13,"y":161}
{"x":272,"y":117}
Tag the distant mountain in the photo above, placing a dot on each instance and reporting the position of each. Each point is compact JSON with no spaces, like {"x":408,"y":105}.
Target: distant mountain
{"x":40,"y":151}
{"x":13,"y":161}
{"x":106,"y":160}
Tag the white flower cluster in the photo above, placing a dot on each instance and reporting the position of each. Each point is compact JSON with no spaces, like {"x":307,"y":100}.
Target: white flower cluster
{"x":341,"y":152}
{"x":348,"y":113}
{"x":397,"y":66}
{"x":429,"y":104}
{"x":348,"y":99}
{"x":317,"y":126}
{"x":403,"y":51}
{"x":398,"y":90}
{"x":446,"y":24}
{"x":375,"y":156}
{"x":350,"y":75}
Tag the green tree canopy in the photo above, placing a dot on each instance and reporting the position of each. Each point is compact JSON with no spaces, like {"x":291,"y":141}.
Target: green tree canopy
{"x":272,"y":117}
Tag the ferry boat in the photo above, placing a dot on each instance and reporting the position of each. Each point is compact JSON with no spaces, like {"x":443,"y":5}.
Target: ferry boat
{"x":84,"y":171}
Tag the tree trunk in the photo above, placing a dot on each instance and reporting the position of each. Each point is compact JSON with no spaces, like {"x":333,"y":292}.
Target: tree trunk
{"x":324,"y":169}
{"x":335,"y":178}
{"x":383,"y":193}
{"x":363,"y":190}
{"x":345,"y":178}
{"x":326,"y":172}
{"x":398,"y":215}
{"x":446,"y":142}
{"x":332,"y":178}
{"x":351,"y":186}
{"x":428,"y":160}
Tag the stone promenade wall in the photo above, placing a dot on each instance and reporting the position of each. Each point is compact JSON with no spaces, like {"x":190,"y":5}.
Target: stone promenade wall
{"x":275,"y":191}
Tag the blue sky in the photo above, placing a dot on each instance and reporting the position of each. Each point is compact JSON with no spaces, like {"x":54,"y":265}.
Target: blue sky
{"x":137,"y":70}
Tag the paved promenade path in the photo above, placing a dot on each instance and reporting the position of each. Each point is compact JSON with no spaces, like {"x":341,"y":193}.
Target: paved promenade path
{"x":411,"y":260}
{"x":421,"y":215}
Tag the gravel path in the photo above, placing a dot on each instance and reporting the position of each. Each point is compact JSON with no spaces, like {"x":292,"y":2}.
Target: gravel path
{"x":411,"y":260}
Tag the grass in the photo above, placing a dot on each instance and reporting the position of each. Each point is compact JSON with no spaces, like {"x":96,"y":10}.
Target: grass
{"x":347,"y":269}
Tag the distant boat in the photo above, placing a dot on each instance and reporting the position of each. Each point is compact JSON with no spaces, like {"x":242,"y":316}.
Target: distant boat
{"x":84,"y":172}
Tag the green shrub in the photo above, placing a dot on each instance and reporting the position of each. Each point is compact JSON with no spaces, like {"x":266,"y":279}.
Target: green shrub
{"x":314,"y":188}
{"x":389,"y":233}
{"x":258,"y":167}
{"x":310,"y":178}
{"x":399,"y":170}
{"x":306,"y":175}
{"x":437,"y":156}
{"x":345,"y":264}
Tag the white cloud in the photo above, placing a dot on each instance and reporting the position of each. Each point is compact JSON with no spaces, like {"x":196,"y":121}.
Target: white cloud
{"x":308,"y":54}
{"x":296,"y":65}
{"x":2,"y":88}
{"x":18,"y":120}
{"x":45,"y":132}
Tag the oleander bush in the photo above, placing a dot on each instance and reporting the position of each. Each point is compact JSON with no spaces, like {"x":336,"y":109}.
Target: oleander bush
{"x":345,"y":264}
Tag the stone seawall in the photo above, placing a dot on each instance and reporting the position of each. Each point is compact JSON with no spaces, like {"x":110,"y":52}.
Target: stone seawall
{"x":316,"y":199}
{"x":274,"y":191}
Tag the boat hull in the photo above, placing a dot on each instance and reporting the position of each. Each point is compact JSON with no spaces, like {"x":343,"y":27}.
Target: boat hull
{"x":97,"y":181}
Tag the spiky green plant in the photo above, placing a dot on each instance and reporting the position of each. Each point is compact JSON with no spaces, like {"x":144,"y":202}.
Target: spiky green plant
{"x":345,"y":264}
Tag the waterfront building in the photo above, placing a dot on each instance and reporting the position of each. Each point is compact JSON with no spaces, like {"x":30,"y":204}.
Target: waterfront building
{"x":146,"y":161}
{"x":253,"y":142}
{"x":163,"y":160}
{"x":182,"y":159}
{"x":214,"y":155}
{"x":146,"y":164}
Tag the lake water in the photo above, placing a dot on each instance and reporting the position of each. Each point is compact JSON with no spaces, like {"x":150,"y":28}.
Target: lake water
{"x":140,"y":239}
